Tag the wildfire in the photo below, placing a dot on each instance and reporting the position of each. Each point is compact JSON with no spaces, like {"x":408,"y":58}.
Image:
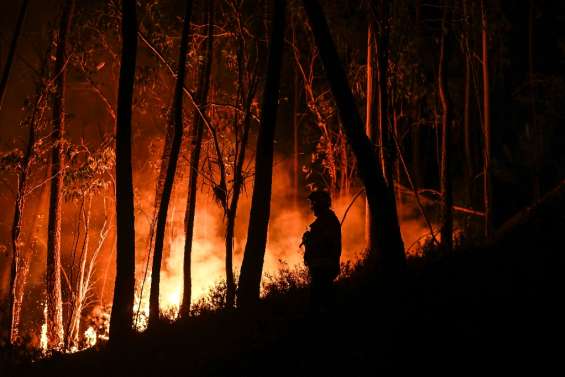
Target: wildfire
{"x":208,"y":245}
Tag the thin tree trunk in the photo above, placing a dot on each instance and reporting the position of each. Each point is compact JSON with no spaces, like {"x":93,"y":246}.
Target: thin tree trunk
{"x":371,"y":120}
{"x":121,"y":320}
{"x":396,"y":161}
{"x":169,"y":166}
{"x":14,"y":307}
{"x":238,"y":173}
{"x":467,"y":103}
{"x":487,"y":170}
{"x":232,"y":212}
{"x":295,"y":137}
{"x":381,"y":198}
{"x":12,"y":51}
{"x":72,"y":339}
{"x":53,"y":277}
{"x":196,"y":145}
{"x":379,"y":18}
{"x":14,"y":303}
{"x":445,"y":171}
{"x":253,"y":257}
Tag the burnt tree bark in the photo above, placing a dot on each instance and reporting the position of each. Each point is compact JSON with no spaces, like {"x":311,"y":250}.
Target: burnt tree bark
{"x":12,"y":51}
{"x":446,"y":174}
{"x":121,"y":320}
{"x":53,"y":276}
{"x":169,"y":161}
{"x":254,"y":254}
{"x":196,"y":145}
{"x":390,"y":256}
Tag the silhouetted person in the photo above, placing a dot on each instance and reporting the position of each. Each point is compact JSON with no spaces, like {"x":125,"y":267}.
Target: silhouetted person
{"x":322,"y":251}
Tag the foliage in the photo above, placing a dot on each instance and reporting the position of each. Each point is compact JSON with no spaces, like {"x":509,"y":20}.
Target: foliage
{"x":89,"y":174}
{"x":285,"y":281}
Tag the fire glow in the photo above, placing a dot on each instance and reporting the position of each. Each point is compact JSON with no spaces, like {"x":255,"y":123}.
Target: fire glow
{"x":287,"y":223}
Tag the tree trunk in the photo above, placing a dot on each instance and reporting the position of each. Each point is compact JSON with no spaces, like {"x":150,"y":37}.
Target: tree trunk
{"x":381,"y":199}
{"x":12,"y":51}
{"x":385,"y":134}
{"x":14,"y":307}
{"x":253,"y":257}
{"x":121,"y":320}
{"x":232,"y":212}
{"x":371,"y":121}
{"x":238,"y":173}
{"x":396,"y":160}
{"x":77,"y":303}
{"x":169,"y":166}
{"x":487,"y":170}
{"x":467,"y":103}
{"x":196,"y":141}
{"x":295,"y":136}
{"x":446,"y":120}
{"x":53,"y":276}
{"x":379,"y":14}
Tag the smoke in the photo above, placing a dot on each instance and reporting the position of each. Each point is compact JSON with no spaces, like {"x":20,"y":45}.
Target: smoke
{"x":289,"y":218}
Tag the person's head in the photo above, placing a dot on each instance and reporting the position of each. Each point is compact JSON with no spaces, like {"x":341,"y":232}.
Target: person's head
{"x":320,"y":201}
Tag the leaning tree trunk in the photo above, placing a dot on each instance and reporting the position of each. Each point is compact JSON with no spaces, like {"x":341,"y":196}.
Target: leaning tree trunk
{"x":121,"y":320}
{"x":380,"y":197}
{"x":196,"y":141}
{"x":254,"y":254}
{"x":446,"y":163}
{"x":487,"y":170}
{"x":53,"y":276}
{"x":12,"y":51}
{"x":169,"y":166}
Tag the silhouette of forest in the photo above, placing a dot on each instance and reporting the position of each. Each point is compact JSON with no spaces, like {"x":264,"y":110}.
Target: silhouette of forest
{"x":182,"y":179}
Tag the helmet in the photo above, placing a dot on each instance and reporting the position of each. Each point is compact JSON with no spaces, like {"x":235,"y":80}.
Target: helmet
{"x":321,"y":198}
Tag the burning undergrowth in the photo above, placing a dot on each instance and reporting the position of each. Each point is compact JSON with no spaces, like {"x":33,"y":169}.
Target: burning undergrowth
{"x":283,"y":269}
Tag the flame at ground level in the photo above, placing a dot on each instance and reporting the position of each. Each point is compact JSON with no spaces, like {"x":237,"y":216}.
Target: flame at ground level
{"x":286,"y":226}
{"x":285,"y":231}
